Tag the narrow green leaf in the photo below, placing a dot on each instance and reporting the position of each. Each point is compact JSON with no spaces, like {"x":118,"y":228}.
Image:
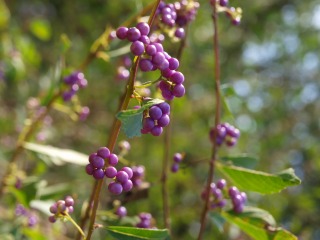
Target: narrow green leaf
{"x":41,"y":29}
{"x":58,"y":156}
{"x":217,"y":220}
{"x":132,"y":119}
{"x":241,"y":161}
{"x":132,"y":233}
{"x":257,"y":181}
{"x":257,"y":223}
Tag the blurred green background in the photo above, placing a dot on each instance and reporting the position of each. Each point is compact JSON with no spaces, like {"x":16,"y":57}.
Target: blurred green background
{"x":271,"y":61}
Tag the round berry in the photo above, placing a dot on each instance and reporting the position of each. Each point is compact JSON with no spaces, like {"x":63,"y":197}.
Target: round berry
{"x":70,"y":209}
{"x":89,"y":169}
{"x":233,"y":191}
{"x":148,"y":123}
{"x":151,"y":49}
{"x":167,"y":72}
{"x":173,"y":63}
{"x":115,"y":188}
{"x":156,"y":131}
{"x":177,"y":157}
{"x":144,"y":39}
{"x":145,"y":65}
{"x":175,"y":167}
{"x":61,"y":206}
{"x":223,"y":3}
{"x":122,"y":176}
{"x":143,"y":28}
{"x":52,"y":219}
{"x":110,"y":172}
{"x":177,"y":78}
{"x":133,"y":34}
{"x":155,"y":112}
{"x":128,"y":171}
{"x":158,"y":46}
{"x":97,"y":162}
{"x":98,"y":173}
{"x":53,"y":208}
{"x":137,"y":48}
{"x":163,"y":121}
{"x":103,"y":152}
{"x":113,"y":159}
{"x":158,"y":58}
{"x":179,"y":33}
{"x":221,"y":183}
{"x":178,"y":90}
{"x":165,"y":107}
{"x":122,"y":33}
{"x":121,"y":211}
{"x":127,"y":186}
{"x":69,"y":201}
{"x":231,"y":142}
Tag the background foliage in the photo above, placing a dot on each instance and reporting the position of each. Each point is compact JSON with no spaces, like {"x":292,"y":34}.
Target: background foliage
{"x":271,"y":61}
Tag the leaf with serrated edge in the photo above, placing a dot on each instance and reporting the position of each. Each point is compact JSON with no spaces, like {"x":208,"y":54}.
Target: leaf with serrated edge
{"x":257,"y":223}
{"x":132,"y":233}
{"x":63,"y":155}
{"x":256,"y":181}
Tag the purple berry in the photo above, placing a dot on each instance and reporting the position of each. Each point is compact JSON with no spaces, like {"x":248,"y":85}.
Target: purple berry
{"x":61,"y":206}
{"x":145,"y":65}
{"x":178,"y":90}
{"x":217,"y":193}
{"x":122,"y":177}
{"x":133,"y":34}
{"x":151,"y":49}
{"x":238,"y":208}
{"x":231,"y":142}
{"x":52,"y":219}
{"x":144,"y":39}
{"x":165,"y":107}
{"x":122,"y":33}
{"x":179,"y":33}
{"x":128,"y":171}
{"x":177,"y":78}
{"x":223,"y":3}
{"x":158,"y":46}
{"x":143,"y":28}
{"x":115,"y":188}
{"x":98,"y":173}
{"x":103,"y":152}
{"x":221,"y":183}
{"x":53,"y":208}
{"x":164,"y":120}
{"x":89,"y":169}
{"x":158,"y":58}
{"x":69,"y":201}
{"x":70,"y":209}
{"x":84,"y":113}
{"x":173,"y":63}
{"x":121,"y":211}
{"x":233,"y":191}
{"x":167,"y":72}
{"x":113,"y":159}
{"x":137,"y":48}
{"x":110,"y":172}
{"x":155,"y":112}
{"x":177,"y":157}
{"x":175,"y":167}
{"x":156,"y":131}
{"x":97,"y":162}
{"x":164,"y":65}
{"x":127,"y":186}
{"x":148,"y":123}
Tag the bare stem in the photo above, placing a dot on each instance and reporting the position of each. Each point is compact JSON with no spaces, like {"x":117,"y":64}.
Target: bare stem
{"x":206,"y":206}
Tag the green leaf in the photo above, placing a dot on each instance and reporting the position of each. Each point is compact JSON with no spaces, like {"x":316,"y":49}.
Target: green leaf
{"x":256,"y":181}
{"x":257,"y":223}
{"x":227,"y":91}
{"x":58,"y":156}
{"x":41,"y":29}
{"x":241,"y":161}
{"x":132,"y":119}
{"x":42,"y":206}
{"x":217,"y":220}
{"x":132,"y":233}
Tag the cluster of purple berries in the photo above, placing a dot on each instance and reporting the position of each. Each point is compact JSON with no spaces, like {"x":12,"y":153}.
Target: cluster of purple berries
{"x":74,"y":81}
{"x":156,"y":118}
{"x":145,"y":220}
{"x":177,"y":15}
{"x":31,"y":218}
{"x":154,"y":57}
{"x":233,"y":13}
{"x":61,"y":208}
{"x":217,"y":192}
{"x":138,"y":175}
{"x":225,"y":133}
{"x":96,"y":168}
{"x":177,"y":158}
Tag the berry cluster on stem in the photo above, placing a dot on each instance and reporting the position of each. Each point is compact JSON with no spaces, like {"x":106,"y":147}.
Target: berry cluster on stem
{"x":225,"y":133}
{"x":74,"y":82}
{"x":218,"y":193}
{"x":145,"y":220}
{"x":61,"y":209}
{"x":155,"y":119}
{"x":177,"y":158}
{"x":234,"y":14}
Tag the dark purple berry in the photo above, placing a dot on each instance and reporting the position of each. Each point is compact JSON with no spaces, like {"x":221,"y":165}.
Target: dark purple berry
{"x":155,"y":112}
{"x":223,"y":3}
{"x":144,"y":39}
{"x":103,"y":152}
{"x":175,"y":167}
{"x":69,"y":201}
{"x":151,"y":49}
{"x":177,"y":78}
{"x":165,"y":107}
{"x":127,"y":186}
{"x":122,"y":177}
{"x":113,"y":159}
{"x":97,"y":162}
{"x":148,"y":123}
{"x":121,"y":211}
{"x":133,"y":34}
{"x":221,"y":183}
{"x":89,"y":169}
{"x":143,"y":28}
{"x":128,"y":171}
{"x":98,"y":173}
{"x":233,"y":191}
{"x":173,"y":63}
{"x":163,"y":121}
{"x":52,"y":219}
{"x":145,"y":65}
{"x":115,"y":188}
{"x":53,"y":208}
{"x":110,"y":172}
{"x":177,"y":157}
{"x":179,"y":33}
{"x":122,"y":33}
{"x":137,"y":48}
{"x":178,"y":90}
{"x":158,"y":58}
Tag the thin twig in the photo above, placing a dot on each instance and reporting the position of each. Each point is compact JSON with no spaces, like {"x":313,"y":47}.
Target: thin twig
{"x":206,"y":206}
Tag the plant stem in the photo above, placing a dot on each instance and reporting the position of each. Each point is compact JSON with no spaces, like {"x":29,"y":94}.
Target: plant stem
{"x":25,"y":136}
{"x":206,"y":206}
{"x":117,"y":125}
{"x":77,"y":226}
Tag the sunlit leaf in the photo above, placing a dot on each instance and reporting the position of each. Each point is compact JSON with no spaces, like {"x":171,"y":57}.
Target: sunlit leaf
{"x":41,"y":28}
{"x":257,"y":223}
{"x":58,"y":156}
{"x":261,"y":182}
{"x":132,"y":233}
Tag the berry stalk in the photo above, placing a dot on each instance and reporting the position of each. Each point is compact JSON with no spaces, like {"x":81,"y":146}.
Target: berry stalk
{"x":206,"y":206}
